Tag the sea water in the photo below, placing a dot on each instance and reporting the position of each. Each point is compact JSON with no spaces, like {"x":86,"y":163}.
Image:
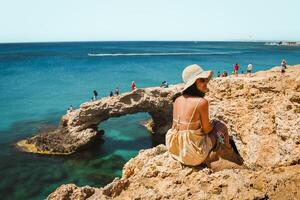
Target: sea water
{"x":39,"y":81}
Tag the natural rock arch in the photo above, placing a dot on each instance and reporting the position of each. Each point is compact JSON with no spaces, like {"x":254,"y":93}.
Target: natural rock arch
{"x":78,"y":128}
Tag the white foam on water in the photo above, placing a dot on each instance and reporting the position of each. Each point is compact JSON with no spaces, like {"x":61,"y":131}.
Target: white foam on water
{"x":162,"y":54}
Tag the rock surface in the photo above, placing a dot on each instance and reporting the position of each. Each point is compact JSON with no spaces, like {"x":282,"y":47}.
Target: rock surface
{"x":263,"y":115}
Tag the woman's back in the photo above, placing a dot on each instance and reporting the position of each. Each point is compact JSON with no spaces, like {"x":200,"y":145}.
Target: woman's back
{"x":186,"y":112}
{"x":186,"y":140}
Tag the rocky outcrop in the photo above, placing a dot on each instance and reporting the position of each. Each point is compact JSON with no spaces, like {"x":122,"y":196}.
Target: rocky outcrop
{"x":263,"y":115}
{"x":78,"y":128}
{"x":154,"y":174}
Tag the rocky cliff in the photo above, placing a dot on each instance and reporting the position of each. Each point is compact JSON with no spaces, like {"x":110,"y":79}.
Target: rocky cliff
{"x":263,"y":116}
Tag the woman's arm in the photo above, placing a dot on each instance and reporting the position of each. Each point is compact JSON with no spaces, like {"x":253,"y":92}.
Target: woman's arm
{"x":204,"y":117}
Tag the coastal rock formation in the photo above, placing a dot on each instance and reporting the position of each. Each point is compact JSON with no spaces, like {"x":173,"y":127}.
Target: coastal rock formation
{"x":78,"y":128}
{"x":153,"y":174}
{"x":263,"y":116}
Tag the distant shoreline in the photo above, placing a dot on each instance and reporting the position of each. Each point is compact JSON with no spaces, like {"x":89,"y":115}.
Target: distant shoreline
{"x":281,"y":43}
{"x":137,"y":41}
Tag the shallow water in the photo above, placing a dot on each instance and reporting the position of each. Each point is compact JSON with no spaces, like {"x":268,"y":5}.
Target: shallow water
{"x":39,"y":81}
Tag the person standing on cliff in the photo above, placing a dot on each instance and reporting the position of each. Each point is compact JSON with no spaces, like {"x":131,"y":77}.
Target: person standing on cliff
{"x":249,"y":69}
{"x":193,"y":138}
{"x":283,"y":66}
{"x":133,"y":86}
{"x":117,"y":91}
{"x":236,"y":69}
{"x":95,"y":95}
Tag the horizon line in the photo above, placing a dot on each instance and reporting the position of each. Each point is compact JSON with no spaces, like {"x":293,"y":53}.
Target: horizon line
{"x":81,"y":41}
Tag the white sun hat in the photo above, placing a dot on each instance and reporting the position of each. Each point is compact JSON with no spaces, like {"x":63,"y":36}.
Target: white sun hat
{"x":193,"y":72}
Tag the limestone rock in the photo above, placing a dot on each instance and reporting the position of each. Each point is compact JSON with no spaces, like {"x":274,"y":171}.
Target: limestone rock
{"x":70,"y":191}
{"x":158,"y":176}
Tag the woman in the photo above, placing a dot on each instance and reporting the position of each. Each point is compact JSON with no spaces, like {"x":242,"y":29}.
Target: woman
{"x":193,"y":138}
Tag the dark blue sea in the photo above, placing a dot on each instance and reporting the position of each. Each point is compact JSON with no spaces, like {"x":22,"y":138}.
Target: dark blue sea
{"x":39,"y":81}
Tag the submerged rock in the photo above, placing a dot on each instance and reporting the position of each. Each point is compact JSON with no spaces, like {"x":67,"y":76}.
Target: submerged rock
{"x":262,"y":115}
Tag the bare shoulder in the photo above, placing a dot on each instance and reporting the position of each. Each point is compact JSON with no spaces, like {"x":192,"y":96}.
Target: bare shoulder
{"x":193,"y":101}
{"x":203,"y":103}
{"x":201,"y":100}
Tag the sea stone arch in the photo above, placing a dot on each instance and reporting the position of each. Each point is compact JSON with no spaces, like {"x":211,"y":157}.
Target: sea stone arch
{"x":78,"y":128}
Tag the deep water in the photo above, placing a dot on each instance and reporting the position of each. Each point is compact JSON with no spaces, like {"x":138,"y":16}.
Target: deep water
{"x":38,"y":81}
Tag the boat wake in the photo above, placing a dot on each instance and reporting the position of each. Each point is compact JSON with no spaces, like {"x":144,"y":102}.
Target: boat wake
{"x":162,"y":54}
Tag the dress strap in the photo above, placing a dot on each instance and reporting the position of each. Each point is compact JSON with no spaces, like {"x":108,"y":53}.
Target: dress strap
{"x":193,"y":114}
{"x":180,"y":122}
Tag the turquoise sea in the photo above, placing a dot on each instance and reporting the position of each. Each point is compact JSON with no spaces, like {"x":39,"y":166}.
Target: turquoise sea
{"x":38,"y":81}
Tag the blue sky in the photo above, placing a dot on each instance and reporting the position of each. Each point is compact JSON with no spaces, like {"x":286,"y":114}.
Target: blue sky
{"x":110,"y":20}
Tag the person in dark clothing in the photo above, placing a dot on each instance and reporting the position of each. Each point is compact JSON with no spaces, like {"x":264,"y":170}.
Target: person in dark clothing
{"x":111,"y":94}
{"x":95,"y":95}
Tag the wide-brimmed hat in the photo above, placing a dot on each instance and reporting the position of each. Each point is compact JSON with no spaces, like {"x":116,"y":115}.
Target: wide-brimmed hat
{"x":193,"y":72}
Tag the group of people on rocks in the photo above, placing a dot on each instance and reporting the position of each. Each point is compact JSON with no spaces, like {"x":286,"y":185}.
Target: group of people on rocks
{"x":115,"y":93}
{"x":224,"y":74}
{"x":236,"y":70}
{"x":249,"y":69}
{"x":117,"y":90}
{"x":95,"y":95}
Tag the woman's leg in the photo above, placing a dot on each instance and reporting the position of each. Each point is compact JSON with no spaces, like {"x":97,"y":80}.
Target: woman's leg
{"x":212,"y":156}
{"x":221,"y":143}
{"x":219,"y":134}
{"x":222,"y":131}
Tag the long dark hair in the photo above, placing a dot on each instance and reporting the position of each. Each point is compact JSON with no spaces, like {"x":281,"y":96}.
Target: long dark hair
{"x":190,"y":91}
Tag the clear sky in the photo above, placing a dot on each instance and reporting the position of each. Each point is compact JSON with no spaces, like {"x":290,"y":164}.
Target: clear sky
{"x":110,"y":20}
